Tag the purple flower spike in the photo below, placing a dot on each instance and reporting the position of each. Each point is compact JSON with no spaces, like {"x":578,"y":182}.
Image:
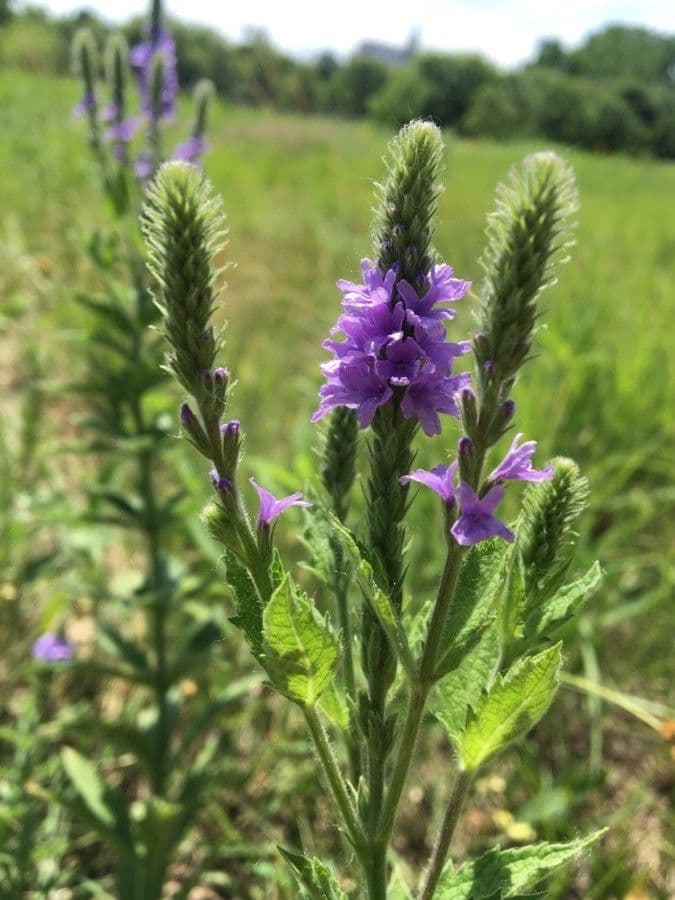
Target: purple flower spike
{"x":86,"y":105}
{"x":517,"y":464}
{"x":52,"y":647}
{"x":476,"y":522}
{"x":270,"y":507}
{"x":440,"y":479}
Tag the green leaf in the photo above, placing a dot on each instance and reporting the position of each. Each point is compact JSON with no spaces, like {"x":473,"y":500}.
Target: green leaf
{"x":397,"y":888}
{"x":88,"y":785}
{"x":381,"y":605}
{"x":334,"y":706}
{"x":117,"y":645}
{"x":507,"y":873}
{"x":558,"y":609}
{"x":314,"y":878}
{"x":300,"y":648}
{"x":473,"y":604}
{"x":460,"y":691}
{"x":249,"y":608}
{"x":515,"y":702}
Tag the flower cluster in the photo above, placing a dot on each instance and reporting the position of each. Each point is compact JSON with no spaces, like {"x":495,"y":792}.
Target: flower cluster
{"x":476,"y":521}
{"x":142,"y":60}
{"x":395,"y":341}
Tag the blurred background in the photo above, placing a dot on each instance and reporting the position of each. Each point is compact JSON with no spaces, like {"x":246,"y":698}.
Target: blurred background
{"x":305,"y":103}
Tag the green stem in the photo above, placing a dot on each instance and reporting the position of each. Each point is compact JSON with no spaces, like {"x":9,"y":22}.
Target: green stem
{"x":419,"y":691}
{"x":440,"y":851}
{"x":335,"y":779}
{"x":341,"y":590}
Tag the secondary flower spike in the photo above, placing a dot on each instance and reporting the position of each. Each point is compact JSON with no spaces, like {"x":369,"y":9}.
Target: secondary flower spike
{"x":477,"y":522}
{"x":271,"y":508}
{"x":517,"y":464}
{"x":395,"y":340}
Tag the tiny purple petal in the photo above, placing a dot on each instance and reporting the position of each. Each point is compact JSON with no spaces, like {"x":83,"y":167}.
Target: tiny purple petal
{"x":439,"y":479}
{"x":517,"y":464}
{"x":52,"y":647}
{"x":270,"y":507}
{"x":476,"y":522}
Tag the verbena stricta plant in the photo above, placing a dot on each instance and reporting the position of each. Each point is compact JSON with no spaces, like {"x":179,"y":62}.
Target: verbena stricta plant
{"x":128,"y":144}
{"x":484,"y":655}
{"x":164,"y":663}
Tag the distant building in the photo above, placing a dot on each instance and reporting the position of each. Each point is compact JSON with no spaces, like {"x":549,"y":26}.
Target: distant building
{"x":387,"y":54}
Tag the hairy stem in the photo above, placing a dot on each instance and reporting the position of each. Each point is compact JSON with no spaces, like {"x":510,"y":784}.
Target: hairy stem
{"x":440,"y":851}
{"x":335,"y":779}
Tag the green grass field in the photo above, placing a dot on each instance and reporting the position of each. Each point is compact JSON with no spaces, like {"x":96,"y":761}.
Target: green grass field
{"x":298,"y":193}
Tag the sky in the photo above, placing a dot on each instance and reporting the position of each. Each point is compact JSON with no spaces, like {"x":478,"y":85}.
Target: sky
{"x":505,"y":32}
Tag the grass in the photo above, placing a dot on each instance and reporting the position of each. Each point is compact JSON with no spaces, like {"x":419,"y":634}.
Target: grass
{"x":298,"y":193}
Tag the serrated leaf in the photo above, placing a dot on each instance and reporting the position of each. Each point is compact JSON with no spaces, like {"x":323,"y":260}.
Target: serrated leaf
{"x":507,"y":873}
{"x":515,"y":702}
{"x":556,"y":610}
{"x":334,"y":706}
{"x":88,"y":785}
{"x":460,"y":691}
{"x":314,"y":878}
{"x":388,"y":617}
{"x":300,"y":648}
{"x":473,"y":605}
{"x":249,"y":608}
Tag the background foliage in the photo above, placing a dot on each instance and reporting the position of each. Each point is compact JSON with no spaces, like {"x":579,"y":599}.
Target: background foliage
{"x":614,"y":92}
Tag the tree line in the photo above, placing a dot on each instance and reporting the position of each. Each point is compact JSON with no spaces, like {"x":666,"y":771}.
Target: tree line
{"x":613,"y":93}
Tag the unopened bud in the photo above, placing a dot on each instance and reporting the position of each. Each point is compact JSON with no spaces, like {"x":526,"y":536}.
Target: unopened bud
{"x":469,"y":411}
{"x":221,"y":484}
{"x":219,"y":525}
{"x":194,"y":430}
{"x":230,"y":433}
{"x":500,"y":422}
{"x":466,"y":457}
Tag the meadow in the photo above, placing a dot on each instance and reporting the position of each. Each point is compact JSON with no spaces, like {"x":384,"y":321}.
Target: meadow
{"x":601,"y":388}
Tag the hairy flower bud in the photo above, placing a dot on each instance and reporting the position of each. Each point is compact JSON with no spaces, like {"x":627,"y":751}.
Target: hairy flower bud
{"x":528,"y":235}
{"x":183,"y":225}
{"x":546,"y":536}
{"x":466,"y":457}
{"x":338,"y":458}
{"x":407,"y":200}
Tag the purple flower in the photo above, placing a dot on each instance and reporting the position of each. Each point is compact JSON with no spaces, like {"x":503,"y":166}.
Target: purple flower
{"x":353,"y":382}
{"x":141,"y":57}
{"x":443,"y":288}
{"x":476,"y":522}
{"x":431,"y":393}
{"x":517,"y":464}
{"x":52,"y":647}
{"x":401,"y":362}
{"x":121,"y":132}
{"x":191,"y":149}
{"x":86,"y":105}
{"x":394,"y":339}
{"x":441,"y":480}
{"x":143,"y":166}
{"x":270,"y":507}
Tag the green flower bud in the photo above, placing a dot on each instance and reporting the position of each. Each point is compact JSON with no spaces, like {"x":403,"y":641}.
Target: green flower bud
{"x":546,"y":535}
